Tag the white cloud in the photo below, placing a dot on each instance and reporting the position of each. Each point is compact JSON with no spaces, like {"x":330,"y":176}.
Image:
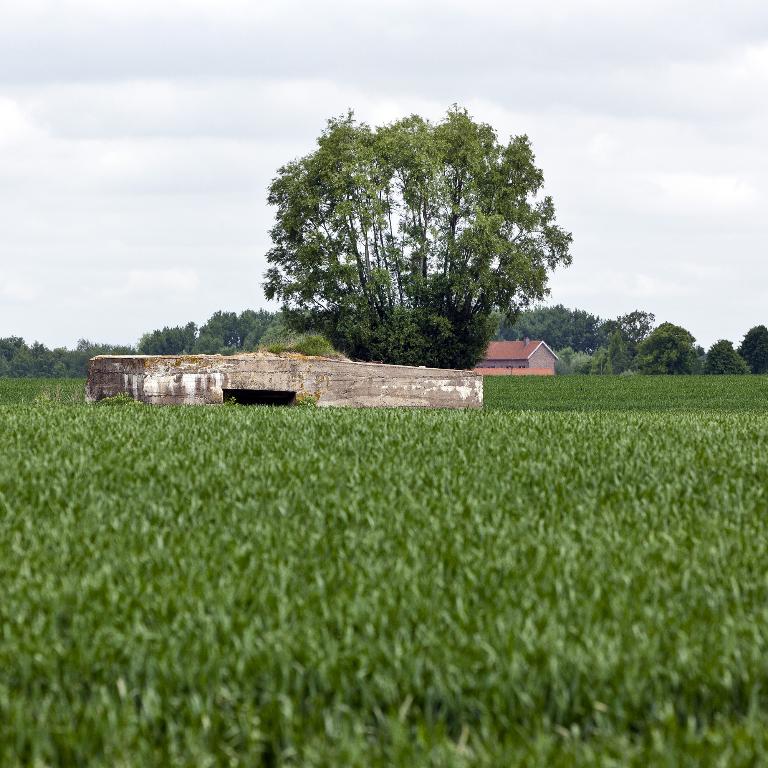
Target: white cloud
{"x":604,"y":147}
{"x":651,"y":287}
{"x":699,"y":193}
{"x":155,"y":282}
{"x":137,"y":141}
{"x":753,"y":62}
{"x":16,"y":290}
{"x":16,"y":127}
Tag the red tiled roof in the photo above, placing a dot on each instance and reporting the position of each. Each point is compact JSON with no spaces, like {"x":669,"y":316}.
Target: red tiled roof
{"x":511,"y":350}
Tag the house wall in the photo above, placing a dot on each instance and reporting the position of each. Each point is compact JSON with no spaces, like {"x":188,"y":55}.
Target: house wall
{"x":542,"y":358}
{"x":496,"y":363}
{"x":540,"y":363}
{"x":515,"y":371}
{"x":533,"y":371}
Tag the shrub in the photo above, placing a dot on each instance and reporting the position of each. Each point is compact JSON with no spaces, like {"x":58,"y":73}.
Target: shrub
{"x":572,"y":362}
{"x":120,"y":400}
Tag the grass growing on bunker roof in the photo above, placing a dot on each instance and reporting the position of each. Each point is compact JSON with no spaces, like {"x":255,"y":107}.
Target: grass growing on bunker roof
{"x":310,"y":344}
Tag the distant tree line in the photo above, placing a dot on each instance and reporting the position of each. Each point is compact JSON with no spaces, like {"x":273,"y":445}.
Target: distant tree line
{"x":18,"y":359}
{"x":632,"y":343}
{"x":585,"y":344}
{"x":224,"y":333}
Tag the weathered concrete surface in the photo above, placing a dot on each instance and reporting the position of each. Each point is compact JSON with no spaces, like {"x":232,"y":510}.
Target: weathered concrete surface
{"x":202,"y":380}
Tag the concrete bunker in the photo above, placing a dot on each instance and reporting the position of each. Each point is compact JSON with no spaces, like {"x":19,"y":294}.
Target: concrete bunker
{"x":263,"y":378}
{"x":259,"y":396}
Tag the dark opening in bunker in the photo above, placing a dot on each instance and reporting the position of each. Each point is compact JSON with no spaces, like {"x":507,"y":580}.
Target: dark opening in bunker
{"x":259,"y":397}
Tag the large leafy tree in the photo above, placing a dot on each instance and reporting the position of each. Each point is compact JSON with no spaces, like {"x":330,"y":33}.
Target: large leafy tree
{"x":668,"y":349}
{"x":723,"y":358}
{"x":754,"y":349}
{"x":399,"y":242}
{"x":634,"y":328}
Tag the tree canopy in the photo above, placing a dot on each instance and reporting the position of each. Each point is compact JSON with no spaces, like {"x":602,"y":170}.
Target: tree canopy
{"x":559,"y":326}
{"x":223,"y":333}
{"x":399,"y":242}
{"x":668,"y":349}
{"x":18,"y":359}
{"x":754,"y":349}
{"x":581,"y":331}
{"x":723,"y":358}
{"x":228,"y":332}
{"x":634,"y":328}
{"x":618,"y":354}
{"x":169,"y":340}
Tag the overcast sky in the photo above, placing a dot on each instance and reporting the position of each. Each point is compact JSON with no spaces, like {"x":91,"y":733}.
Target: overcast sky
{"x":137,"y":140}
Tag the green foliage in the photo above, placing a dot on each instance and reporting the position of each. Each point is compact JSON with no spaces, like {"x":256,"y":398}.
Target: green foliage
{"x":600,"y":364}
{"x":582,"y":331}
{"x":306,"y":400}
{"x":399,"y":242}
{"x":19,"y":360}
{"x":572,"y":362}
{"x":314,"y":344}
{"x":722,"y":358}
{"x":618,"y":354}
{"x":668,"y":350}
{"x":11,"y":347}
{"x":700,"y":361}
{"x":250,"y":586}
{"x":224,"y":332}
{"x":633,"y":328}
{"x":754,"y":349}
{"x":229,"y":333}
{"x":120,"y":400}
{"x":277,"y":330}
{"x":179,"y":340}
{"x":559,"y":326}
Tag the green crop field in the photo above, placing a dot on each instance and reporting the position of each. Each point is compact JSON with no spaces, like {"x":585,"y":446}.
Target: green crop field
{"x":627,"y":393}
{"x":576,"y":575}
{"x":59,"y":391}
